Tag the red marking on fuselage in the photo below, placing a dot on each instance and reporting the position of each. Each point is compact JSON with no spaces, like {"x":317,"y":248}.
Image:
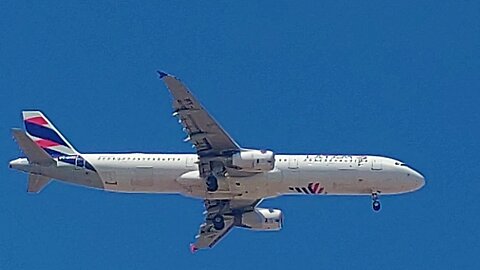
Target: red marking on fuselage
{"x":315,"y":188}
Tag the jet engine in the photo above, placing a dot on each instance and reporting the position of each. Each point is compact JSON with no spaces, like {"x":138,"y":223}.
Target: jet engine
{"x":261,"y":219}
{"x":254,"y":160}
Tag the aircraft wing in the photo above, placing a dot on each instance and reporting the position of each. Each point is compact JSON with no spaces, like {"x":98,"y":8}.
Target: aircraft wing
{"x":203,"y":131}
{"x":230,"y":210}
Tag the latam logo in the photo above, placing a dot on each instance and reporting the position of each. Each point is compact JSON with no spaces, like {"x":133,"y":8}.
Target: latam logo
{"x":312,"y":188}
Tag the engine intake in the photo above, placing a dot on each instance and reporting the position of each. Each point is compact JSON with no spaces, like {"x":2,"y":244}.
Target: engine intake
{"x":262,"y":219}
{"x":254,"y":160}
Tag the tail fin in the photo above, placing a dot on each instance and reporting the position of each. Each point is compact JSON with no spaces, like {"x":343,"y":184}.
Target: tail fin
{"x":45,"y":135}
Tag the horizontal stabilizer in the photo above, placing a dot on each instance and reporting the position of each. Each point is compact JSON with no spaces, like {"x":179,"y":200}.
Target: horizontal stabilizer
{"x":37,"y":182}
{"x":34,"y":153}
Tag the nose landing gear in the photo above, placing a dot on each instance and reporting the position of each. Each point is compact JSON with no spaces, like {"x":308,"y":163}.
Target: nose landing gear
{"x":375,"y":202}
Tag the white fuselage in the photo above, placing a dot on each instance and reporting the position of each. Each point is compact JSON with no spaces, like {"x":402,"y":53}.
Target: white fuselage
{"x":293,"y":174}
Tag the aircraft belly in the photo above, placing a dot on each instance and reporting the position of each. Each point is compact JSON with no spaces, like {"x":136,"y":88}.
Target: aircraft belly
{"x":140,"y":180}
{"x":325,"y":180}
{"x":252,"y":187}
{"x":344,"y":182}
{"x":80,"y":177}
{"x":358,"y":182}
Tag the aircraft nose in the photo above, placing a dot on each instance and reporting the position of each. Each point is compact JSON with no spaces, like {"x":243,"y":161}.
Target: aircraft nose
{"x":416,"y":177}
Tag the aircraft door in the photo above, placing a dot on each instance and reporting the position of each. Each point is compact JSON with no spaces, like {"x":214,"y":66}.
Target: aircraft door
{"x":79,"y":163}
{"x":78,"y":171}
{"x":190,"y":161}
{"x":293,"y":162}
{"x":376,"y":164}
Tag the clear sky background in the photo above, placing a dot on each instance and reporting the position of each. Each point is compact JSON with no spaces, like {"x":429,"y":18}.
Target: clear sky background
{"x":395,"y":78}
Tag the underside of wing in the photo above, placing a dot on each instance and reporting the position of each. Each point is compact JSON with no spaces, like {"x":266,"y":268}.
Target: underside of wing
{"x":208,"y":137}
{"x":208,"y":236}
{"x":220,"y":217}
{"x":219,"y":155}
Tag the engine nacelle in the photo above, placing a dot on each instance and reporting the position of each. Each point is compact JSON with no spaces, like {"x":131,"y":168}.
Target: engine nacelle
{"x":262,"y":219}
{"x":254,"y":160}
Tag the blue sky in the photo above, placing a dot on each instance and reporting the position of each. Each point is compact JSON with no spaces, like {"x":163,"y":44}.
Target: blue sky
{"x":396,"y":78}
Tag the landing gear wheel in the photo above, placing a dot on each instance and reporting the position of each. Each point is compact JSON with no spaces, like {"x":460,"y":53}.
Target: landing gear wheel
{"x":376,"y":206}
{"x":375,"y":202}
{"x":212,"y":183}
{"x":218,"y":222}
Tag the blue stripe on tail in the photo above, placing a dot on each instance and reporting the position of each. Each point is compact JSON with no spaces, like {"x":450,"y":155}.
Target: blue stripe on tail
{"x":53,"y":153}
{"x":44,"y":133}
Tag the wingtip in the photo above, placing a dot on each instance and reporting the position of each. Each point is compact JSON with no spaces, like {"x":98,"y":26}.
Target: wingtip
{"x":162,"y":74}
{"x":193,"y":248}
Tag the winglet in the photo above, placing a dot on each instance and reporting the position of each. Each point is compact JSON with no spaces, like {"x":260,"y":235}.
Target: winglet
{"x":162,"y":74}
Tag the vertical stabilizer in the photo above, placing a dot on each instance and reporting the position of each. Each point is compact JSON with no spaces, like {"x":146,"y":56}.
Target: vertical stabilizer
{"x":45,"y":135}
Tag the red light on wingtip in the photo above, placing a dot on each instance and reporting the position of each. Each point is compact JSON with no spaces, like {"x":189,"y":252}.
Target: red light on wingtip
{"x":193,"y":248}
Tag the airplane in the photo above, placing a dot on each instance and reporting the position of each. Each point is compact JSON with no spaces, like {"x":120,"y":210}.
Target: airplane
{"x":231,"y":180}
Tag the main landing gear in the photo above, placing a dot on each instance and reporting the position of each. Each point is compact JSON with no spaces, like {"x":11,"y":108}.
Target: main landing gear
{"x":375,"y":202}
{"x":218,"y":222}
{"x":212,"y":183}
